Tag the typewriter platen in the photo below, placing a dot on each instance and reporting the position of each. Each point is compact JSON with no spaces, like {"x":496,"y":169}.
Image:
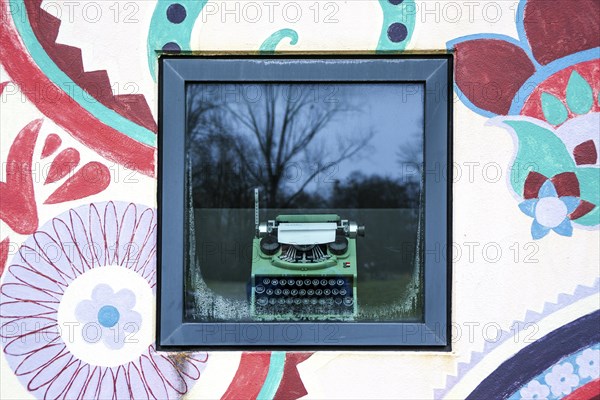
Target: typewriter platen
{"x":304,"y":267}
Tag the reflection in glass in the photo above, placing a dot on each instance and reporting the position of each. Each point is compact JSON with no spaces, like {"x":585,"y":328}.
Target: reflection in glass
{"x":321,"y":157}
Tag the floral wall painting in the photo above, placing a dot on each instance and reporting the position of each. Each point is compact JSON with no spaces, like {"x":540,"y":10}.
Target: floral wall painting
{"x":93,"y":269}
{"x":78,"y":247}
{"x":544,"y":88}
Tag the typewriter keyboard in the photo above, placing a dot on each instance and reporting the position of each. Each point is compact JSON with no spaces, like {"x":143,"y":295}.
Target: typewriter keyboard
{"x":303,"y":295}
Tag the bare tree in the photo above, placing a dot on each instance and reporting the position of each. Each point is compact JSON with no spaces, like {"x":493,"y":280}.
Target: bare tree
{"x":216,"y":175}
{"x":289,"y":128}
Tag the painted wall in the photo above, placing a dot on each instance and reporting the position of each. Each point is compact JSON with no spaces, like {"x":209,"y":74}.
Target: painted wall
{"x":78,"y":142}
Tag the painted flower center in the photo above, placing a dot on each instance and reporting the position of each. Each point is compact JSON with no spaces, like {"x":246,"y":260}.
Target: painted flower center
{"x":550,"y":211}
{"x":108,"y":316}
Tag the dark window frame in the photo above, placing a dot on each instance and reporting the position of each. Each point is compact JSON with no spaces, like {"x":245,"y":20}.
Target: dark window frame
{"x":173,"y":332}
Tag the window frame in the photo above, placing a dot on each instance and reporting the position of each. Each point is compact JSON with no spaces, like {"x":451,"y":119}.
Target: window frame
{"x":435,"y":72}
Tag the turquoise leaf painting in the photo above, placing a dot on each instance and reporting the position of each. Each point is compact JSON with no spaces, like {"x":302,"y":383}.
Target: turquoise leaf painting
{"x":580,"y":97}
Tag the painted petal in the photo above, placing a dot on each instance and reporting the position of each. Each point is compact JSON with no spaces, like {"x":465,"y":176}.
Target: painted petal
{"x":122,"y":384}
{"x":558,"y":28}
{"x":580,"y":97}
{"x":571,"y":202}
{"x":124,"y":298}
{"x":106,"y":389}
{"x":92,"y":386}
{"x":171,"y":374}
{"x":136,"y":383}
{"x":19,"y":209}
{"x":113,"y":339}
{"x":538,"y":231}
{"x":528,"y":207}
{"x":548,"y":190}
{"x":126,"y":233}
{"x":111,"y":221}
{"x":131,"y":321}
{"x":533,"y":184}
{"x":86,"y":311}
{"x":157,"y":386}
{"x":36,"y":360}
{"x":33,"y":278}
{"x":565,"y":228}
{"x":23,"y":292}
{"x":554,"y":110}
{"x":102,"y":292}
{"x":21,"y":309}
{"x":585,"y":153}
{"x":52,"y":143}
{"x":97,"y":236}
{"x":63,"y":164}
{"x":566,"y":184}
{"x":141,"y":240}
{"x":62,"y":381}
{"x":75,"y":389}
{"x":90,"y":179}
{"x":31,"y":343}
{"x":583,"y":208}
{"x":491,"y":65}
{"x":45,"y":376}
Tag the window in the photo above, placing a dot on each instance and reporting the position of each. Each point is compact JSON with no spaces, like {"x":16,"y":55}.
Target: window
{"x":299,"y":203}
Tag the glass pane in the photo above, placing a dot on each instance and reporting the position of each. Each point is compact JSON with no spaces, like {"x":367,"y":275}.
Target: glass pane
{"x":283,"y":180}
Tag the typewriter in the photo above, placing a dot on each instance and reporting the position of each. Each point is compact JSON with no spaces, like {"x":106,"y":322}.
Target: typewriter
{"x":304,"y":268}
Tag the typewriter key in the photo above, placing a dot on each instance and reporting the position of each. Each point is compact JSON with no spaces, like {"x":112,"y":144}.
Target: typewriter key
{"x":331,"y":282}
{"x":315,"y":282}
{"x":348,"y":301}
{"x":318,"y":292}
{"x":340,"y":282}
{"x":274,"y":282}
{"x":286,"y":292}
{"x":277,"y":292}
{"x":260,"y":289}
{"x":323,"y":282}
{"x":294,"y":292}
{"x":269,"y":291}
{"x":262,"y":301}
{"x":310,"y":292}
{"x":343,"y":292}
{"x":283,"y":282}
{"x":302,"y":292}
{"x":326,"y":292}
{"x":266,"y":281}
{"x":334,"y":292}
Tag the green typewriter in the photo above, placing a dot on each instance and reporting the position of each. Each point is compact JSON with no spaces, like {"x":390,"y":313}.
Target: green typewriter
{"x":304,"y":268}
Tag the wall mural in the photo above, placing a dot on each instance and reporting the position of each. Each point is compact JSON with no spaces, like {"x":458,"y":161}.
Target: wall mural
{"x":563,"y":361}
{"x":546,"y":93}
